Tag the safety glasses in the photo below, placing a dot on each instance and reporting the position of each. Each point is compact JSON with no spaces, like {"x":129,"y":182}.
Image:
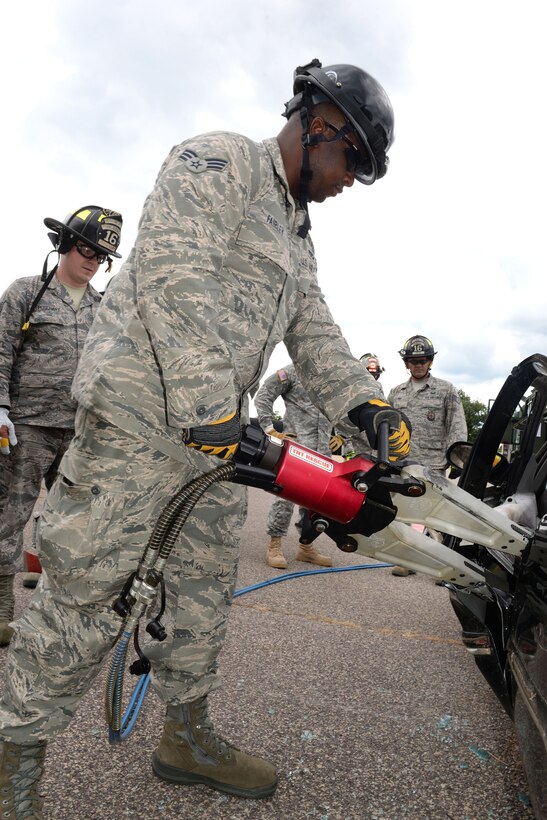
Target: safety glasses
{"x":418,"y":361}
{"x":88,"y":253}
{"x":355,"y":162}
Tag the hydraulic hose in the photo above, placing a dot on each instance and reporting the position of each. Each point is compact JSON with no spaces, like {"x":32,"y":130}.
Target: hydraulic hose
{"x":124,"y":726}
{"x":134,"y":603}
{"x":141,"y":591}
{"x":302,"y":574}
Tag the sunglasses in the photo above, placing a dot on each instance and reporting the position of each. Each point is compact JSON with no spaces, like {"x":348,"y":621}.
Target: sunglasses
{"x":418,"y":361}
{"x":89,"y":253}
{"x":355,"y":162}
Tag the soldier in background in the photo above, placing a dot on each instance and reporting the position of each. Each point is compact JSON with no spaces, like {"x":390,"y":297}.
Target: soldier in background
{"x":304,"y":422}
{"x":44,"y":321}
{"x":373,"y":364}
{"x":339,"y":444}
{"x":434,"y":408}
{"x":222,"y":270}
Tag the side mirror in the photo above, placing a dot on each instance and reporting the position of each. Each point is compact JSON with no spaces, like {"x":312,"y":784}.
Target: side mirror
{"x":458,"y":453}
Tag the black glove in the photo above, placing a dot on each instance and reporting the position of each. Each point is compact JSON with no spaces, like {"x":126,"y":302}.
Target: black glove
{"x":368,"y":417}
{"x":221,"y":438}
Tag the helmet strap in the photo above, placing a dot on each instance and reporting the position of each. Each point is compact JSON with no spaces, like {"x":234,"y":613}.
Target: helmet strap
{"x":305,"y":173}
{"x":46,"y":279}
{"x":45,"y":276}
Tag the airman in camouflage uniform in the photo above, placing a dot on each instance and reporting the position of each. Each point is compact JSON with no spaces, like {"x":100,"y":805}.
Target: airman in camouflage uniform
{"x":222,"y":270}
{"x":303,"y":421}
{"x":434,"y":408}
{"x":37,"y":366}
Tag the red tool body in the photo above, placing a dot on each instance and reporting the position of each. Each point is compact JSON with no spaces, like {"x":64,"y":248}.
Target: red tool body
{"x":319,"y":483}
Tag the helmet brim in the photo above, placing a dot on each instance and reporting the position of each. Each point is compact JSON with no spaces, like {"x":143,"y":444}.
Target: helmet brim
{"x":59,"y":228}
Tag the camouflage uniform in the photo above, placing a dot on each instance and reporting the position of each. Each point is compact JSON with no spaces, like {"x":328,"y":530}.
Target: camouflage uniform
{"x":436,"y":414}
{"x":217,"y":278}
{"x":301,"y":418}
{"x":36,"y":372}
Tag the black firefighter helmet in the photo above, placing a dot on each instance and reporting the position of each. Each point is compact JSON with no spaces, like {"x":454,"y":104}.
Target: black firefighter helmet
{"x":98,"y":227}
{"x":360,"y":98}
{"x":417,"y":347}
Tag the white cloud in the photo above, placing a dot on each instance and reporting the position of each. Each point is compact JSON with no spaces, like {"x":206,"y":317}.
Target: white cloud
{"x":449,"y":244}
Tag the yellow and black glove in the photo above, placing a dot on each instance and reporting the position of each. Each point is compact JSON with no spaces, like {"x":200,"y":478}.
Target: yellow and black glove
{"x":276,"y":434}
{"x":336,"y":442}
{"x":220,"y":438}
{"x":368,"y":417}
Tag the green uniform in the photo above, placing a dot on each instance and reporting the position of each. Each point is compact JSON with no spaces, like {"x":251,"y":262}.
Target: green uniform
{"x":217,"y":277}
{"x":302,"y":418}
{"x":436,"y":413}
{"x":36,"y":372}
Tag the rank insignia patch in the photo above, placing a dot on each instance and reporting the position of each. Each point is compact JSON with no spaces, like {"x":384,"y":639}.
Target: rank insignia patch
{"x":197,"y":164}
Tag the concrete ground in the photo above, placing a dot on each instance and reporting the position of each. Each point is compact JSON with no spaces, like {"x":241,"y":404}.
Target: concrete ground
{"x":355,"y":684}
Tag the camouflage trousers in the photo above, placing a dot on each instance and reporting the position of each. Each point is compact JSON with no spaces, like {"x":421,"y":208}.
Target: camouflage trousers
{"x":279,"y":517}
{"x":34,"y":459}
{"x":96,"y":523}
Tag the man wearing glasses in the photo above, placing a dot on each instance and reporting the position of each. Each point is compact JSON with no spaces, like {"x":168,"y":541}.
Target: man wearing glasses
{"x":43,"y":324}
{"x":434,"y":408}
{"x":223,"y":269}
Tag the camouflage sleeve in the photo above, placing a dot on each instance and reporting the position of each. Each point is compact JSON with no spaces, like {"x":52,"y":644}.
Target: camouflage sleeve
{"x":12,"y":315}
{"x":272,"y":387}
{"x":334,"y":380}
{"x":188,"y":221}
{"x":456,"y":425}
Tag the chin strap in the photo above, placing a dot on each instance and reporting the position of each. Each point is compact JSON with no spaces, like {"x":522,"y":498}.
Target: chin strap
{"x":305,"y":173}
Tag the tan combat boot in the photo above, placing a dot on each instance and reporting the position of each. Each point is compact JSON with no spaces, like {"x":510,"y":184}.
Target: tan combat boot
{"x":190,"y":752}
{"x":274,"y":556}
{"x":7,"y":603}
{"x":21,"y":767}
{"x":308,"y":553}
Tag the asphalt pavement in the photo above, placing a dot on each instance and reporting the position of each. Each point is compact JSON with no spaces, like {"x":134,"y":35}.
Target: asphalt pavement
{"x":355,"y":684}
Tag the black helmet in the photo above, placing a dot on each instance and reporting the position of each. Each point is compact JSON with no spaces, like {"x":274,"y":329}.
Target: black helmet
{"x":360,"y":98}
{"x":97,"y":227}
{"x":417,"y":347}
{"x":373,"y":364}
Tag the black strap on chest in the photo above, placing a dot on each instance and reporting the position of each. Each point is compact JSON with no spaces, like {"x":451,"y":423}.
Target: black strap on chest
{"x":46,"y":279}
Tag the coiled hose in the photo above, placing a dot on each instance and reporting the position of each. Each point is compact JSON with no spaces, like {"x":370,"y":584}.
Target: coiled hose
{"x":142,"y":593}
{"x":155,"y":556}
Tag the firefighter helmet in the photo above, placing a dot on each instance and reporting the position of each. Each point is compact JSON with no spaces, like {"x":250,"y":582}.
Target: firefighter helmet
{"x":373,"y":364}
{"x":98,"y":227}
{"x":360,"y":98}
{"x":417,"y":347}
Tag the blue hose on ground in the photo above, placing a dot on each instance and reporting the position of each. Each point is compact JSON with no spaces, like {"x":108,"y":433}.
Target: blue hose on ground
{"x":302,"y":573}
{"x":132,"y":712}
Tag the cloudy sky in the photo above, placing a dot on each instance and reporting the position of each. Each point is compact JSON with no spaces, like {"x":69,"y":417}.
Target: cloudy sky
{"x":449,"y":244}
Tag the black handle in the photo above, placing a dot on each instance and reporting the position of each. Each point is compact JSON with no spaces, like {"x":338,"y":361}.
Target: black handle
{"x":383,"y":442}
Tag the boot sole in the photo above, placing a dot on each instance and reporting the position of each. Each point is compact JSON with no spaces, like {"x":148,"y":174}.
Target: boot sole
{"x":313,"y":563}
{"x":173,"y":775}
